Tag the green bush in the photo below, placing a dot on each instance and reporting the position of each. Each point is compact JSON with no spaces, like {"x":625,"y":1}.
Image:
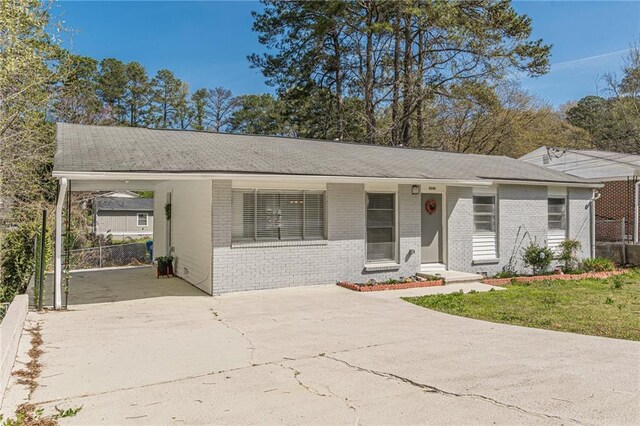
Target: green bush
{"x":537,"y":257}
{"x":18,"y":259}
{"x":569,"y":254}
{"x":598,"y":264}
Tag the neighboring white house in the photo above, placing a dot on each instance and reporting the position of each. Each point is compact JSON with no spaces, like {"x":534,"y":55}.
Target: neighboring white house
{"x":255,"y":212}
{"x":128,"y":217}
{"x":619,"y":198}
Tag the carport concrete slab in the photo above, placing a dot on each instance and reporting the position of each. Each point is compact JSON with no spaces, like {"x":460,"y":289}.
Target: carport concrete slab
{"x":322,"y":355}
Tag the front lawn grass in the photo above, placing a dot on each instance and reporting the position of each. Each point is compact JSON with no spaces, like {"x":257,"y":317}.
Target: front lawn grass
{"x":609,"y":307}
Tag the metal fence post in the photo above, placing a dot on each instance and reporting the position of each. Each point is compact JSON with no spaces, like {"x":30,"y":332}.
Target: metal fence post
{"x":624,"y":240}
{"x":43,"y":244}
{"x":100,"y":257}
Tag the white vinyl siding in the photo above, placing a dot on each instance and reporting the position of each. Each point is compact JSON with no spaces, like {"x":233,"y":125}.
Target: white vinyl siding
{"x":484,"y":227}
{"x":381,"y":227}
{"x":557,"y":222}
{"x":267,"y":215}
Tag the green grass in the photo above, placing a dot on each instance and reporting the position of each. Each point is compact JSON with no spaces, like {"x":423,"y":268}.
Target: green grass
{"x":608,"y":307}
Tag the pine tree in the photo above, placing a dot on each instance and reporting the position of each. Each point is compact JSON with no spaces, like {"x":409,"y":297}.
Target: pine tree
{"x":166,"y":90}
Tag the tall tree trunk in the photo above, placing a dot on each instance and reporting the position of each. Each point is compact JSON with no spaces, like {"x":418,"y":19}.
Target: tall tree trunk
{"x":420,"y":88}
{"x":335,"y":39}
{"x":396,"y":76}
{"x":408,"y":87}
{"x":368,"y":85}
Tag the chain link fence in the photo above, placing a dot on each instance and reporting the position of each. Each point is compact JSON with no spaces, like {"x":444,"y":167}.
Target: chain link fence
{"x":132,"y":254}
{"x":611,"y":231}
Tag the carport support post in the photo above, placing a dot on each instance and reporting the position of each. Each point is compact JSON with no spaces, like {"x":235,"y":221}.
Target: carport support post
{"x":57,"y":289}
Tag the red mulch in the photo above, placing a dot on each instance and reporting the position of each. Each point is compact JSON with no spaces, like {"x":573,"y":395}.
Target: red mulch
{"x":397,"y":286}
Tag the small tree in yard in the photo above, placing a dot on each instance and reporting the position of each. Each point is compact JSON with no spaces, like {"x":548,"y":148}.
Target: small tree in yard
{"x":537,"y":257}
{"x":569,"y":254}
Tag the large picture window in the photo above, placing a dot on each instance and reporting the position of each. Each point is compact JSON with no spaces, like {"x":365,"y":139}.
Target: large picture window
{"x":381,"y":227}
{"x":267,"y":215}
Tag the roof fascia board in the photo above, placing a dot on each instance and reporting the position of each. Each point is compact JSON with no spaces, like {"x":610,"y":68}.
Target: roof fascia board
{"x":548,"y":183}
{"x":97,"y":176}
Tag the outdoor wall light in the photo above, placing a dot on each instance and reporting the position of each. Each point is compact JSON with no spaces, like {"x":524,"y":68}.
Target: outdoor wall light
{"x":415,"y":189}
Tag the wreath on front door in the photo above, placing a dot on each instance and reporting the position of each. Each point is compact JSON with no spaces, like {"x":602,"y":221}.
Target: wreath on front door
{"x":430,"y":206}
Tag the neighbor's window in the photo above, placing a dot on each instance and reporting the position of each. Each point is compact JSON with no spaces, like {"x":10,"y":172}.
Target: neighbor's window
{"x":267,"y":215}
{"x":143,"y":219}
{"x":557,"y":208}
{"x":484,"y":213}
{"x":381,"y":227}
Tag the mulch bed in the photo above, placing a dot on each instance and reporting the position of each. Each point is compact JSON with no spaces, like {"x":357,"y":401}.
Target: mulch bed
{"x":600,"y":275}
{"x":396,"y":286}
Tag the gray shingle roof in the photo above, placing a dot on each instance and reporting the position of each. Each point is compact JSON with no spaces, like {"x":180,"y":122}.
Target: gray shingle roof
{"x":82,"y":148}
{"x":122,"y":203}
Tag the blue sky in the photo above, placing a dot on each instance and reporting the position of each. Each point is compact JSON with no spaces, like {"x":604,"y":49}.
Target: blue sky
{"x":206,"y":43}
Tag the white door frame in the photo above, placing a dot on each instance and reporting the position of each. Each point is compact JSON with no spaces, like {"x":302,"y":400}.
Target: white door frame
{"x":441,"y":190}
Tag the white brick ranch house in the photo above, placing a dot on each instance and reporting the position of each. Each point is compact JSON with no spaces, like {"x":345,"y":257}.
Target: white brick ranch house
{"x":257,"y":212}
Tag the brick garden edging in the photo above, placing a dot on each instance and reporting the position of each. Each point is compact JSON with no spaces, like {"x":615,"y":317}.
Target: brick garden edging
{"x":397,"y":286}
{"x":600,"y":275}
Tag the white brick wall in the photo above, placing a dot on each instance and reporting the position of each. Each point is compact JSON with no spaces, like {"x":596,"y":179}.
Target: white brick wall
{"x":340,"y":257}
{"x":522,"y":218}
{"x":580,"y":218}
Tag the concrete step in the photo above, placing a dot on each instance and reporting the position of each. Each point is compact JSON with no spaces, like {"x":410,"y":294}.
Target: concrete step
{"x":432,"y":267}
{"x":453,"y":276}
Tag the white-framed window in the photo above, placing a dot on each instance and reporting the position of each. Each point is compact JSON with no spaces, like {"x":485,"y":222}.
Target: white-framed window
{"x":142,"y":219}
{"x":484,"y":213}
{"x":557,"y":208}
{"x":485,"y":226}
{"x":277,"y":215}
{"x":381,"y":226}
{"x":556,"y":219}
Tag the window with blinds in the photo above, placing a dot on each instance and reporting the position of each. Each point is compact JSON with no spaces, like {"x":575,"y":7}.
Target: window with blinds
{"x":267,"y":215}
{"x":381,"y":227}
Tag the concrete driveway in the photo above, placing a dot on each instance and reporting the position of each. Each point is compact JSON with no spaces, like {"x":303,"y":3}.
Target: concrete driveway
{"x":317,"y":355}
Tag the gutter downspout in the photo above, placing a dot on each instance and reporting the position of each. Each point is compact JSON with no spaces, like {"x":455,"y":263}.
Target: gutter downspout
{"x":595,"y":197}
{"x":57,"y":290}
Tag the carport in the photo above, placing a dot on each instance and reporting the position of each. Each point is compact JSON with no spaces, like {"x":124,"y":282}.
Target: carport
{"x":62,"y":225}
{"x":121,"y":284}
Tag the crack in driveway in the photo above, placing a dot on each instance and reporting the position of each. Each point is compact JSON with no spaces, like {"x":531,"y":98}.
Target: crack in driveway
{"x":330,"y":356}
{"x":314,"y":391}
{"x":433,"y":389}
